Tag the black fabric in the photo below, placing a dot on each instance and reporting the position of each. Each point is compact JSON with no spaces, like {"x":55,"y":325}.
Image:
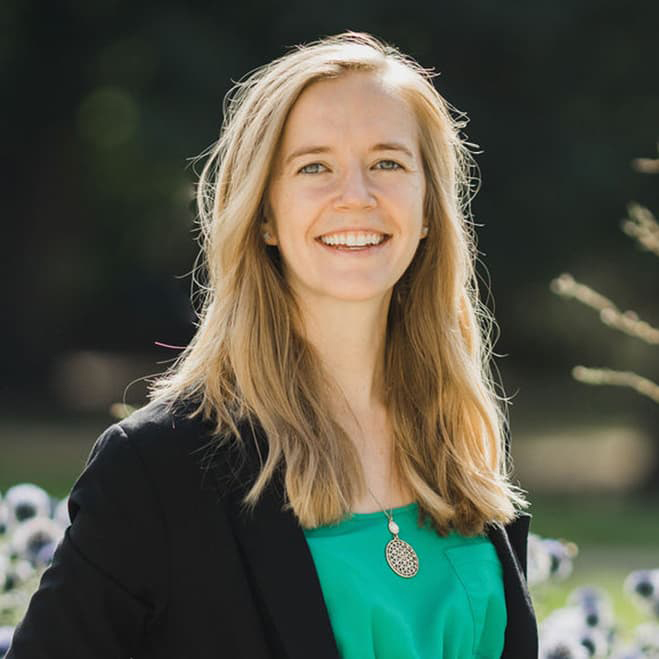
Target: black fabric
{"x":160,"y":562}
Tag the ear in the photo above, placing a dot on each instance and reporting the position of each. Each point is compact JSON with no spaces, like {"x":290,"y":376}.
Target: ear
{"x":268,"y":234}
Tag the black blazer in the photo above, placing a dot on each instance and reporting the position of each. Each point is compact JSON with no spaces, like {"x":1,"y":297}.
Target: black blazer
{"x":160,"y":562}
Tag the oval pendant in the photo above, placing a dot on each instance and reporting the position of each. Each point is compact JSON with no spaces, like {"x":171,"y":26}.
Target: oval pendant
{"x":402,"y":558}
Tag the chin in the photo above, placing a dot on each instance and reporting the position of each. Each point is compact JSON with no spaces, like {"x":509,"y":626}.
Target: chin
{"x":360,"y":295}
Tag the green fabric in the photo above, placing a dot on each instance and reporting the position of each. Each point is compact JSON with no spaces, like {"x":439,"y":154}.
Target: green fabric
{"x":454,"y":608}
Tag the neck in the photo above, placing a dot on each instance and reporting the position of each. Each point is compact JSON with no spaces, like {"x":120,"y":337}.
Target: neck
{"x":350,"y":338}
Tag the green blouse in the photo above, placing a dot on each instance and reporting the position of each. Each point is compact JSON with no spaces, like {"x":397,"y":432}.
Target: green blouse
{"x":453,"y":608}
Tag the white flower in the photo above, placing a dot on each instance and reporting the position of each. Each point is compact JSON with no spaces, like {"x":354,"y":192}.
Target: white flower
{"x":18,"y":572}
{"x":29,"y":538}
{"x":642,"y":586}
{"x":557,"y":646}
{"x":6,"y":634}
{"x":61,"y":515}
{"x":595,"y":605}
{"x":3,"y":517}
{"x":647,"y":636}
{"x":538,"y":560}
{"x":24,"y":501}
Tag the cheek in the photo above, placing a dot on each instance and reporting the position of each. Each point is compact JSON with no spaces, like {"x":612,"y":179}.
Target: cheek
{"x":293,"y":197}
{"x":297,"y":211}
{"x":406,"y":192}
{"x":293,"y":228}
{"x":417,"y":200}
{"x":409,"y":202}
{"x":310,"y":195}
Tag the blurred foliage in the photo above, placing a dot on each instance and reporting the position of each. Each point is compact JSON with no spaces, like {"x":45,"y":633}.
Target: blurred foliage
{"x":589,"y":519}
{"x":106,"y":103}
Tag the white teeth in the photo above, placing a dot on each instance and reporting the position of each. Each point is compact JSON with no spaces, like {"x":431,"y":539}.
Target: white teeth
{"x":353,"y":239}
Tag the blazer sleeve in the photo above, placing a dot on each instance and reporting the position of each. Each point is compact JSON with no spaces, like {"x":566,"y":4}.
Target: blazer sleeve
{"x":107,"y":581}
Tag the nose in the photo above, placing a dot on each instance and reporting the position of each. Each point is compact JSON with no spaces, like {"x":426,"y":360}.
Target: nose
{"x":354,"y":190}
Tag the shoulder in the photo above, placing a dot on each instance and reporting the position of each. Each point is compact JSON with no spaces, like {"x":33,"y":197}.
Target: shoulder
{"x":155,"y":444}
{"x":157,"y":429}
{"x":132,"y":451}
{"x":159,"y":422}
{"x":171,"y":444}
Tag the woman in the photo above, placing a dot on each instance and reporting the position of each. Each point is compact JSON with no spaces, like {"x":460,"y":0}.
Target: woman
{"x":323,"y":471}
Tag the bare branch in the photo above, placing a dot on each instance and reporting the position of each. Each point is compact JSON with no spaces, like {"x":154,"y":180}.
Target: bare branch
{"x":617,"y":378}
{"x":642,"y":226}
{"x":646,"y":165}
{"x":627,"y":322}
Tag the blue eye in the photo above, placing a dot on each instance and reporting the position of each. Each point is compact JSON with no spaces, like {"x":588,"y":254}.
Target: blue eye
{"x":311,"y":164}
{"x":393,"y":162}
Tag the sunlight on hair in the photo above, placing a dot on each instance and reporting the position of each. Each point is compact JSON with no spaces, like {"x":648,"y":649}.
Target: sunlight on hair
{"x":248,"y":360}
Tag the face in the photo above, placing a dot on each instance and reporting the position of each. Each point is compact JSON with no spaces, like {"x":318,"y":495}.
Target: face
{"x":349,"y":163}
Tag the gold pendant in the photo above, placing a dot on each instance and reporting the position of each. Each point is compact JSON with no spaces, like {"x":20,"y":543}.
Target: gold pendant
{"x":400,"y":555}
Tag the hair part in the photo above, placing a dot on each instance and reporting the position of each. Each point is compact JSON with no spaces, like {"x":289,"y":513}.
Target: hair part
{"x":248,"y":359}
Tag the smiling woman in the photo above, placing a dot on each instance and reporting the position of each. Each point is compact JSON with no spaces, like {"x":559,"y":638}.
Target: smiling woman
{"x":323,"y":472}
{"x":341,"y":191}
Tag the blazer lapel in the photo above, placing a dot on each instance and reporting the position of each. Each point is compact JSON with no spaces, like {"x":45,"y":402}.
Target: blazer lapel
{"x":281,"y":570}
{"x":521,"y":636}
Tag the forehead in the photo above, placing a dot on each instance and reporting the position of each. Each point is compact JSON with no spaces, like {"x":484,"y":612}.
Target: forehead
{"x":357,"y":105}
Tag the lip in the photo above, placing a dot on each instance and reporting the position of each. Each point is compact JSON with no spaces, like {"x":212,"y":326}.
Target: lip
{"x":373,"y":249}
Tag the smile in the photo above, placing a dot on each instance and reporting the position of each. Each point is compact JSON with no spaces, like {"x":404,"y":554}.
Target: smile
{"x":363,"y":248}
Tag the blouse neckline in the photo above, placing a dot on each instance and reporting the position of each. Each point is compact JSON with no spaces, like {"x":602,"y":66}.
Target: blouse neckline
{"x":363,"y":521}
{"x":395,"y":511}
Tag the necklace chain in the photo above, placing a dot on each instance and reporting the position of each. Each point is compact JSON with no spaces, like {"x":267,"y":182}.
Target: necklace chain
{"x":388,"y":515}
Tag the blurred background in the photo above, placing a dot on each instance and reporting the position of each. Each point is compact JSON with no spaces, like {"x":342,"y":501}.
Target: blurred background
{"x":105,"y":103}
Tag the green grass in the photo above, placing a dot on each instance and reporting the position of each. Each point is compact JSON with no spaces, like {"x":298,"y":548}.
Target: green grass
{"x":49,"y":453}
{"x":606,"y":520}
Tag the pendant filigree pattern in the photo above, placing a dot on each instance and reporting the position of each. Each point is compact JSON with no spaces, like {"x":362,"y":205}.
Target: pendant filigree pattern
{"x":401,"y":557}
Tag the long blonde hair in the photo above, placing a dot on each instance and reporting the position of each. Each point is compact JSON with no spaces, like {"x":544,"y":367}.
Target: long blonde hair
{"x":248,"y":359}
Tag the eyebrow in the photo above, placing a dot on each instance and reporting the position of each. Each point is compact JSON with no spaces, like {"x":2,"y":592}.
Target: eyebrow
{"x":381,"y":146}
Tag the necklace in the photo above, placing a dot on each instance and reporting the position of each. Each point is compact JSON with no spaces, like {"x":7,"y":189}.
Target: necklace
{"x":400,"y":555}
